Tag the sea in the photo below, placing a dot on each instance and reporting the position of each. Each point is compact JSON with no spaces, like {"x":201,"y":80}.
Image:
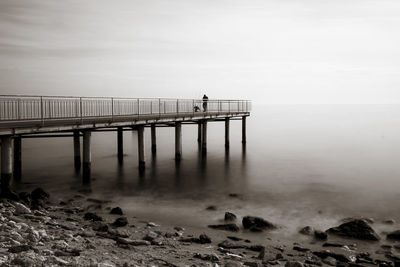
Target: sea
{"x":302,"y":165}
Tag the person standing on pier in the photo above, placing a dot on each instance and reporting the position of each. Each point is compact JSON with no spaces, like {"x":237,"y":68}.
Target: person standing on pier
{"x":205,"y":100}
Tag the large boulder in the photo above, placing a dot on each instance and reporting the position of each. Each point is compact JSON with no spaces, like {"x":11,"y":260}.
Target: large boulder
{"x":356,"y":229}
{"x":39,"y":194}
{"x":256,"y":223}
{"x":116,"y":211}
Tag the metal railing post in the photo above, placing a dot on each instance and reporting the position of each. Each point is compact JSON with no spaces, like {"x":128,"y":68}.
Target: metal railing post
{"x":81,"y":107}
{"x":41,"y":110}
{"x":112,"y":109}
{"x":159,"y":107}
{"x":18,"y":109}
{"x":177,"y":106}
{"x":138,"y":108}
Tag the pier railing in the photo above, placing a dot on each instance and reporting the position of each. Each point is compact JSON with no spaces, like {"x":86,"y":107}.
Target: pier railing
{"x":44,"y":108}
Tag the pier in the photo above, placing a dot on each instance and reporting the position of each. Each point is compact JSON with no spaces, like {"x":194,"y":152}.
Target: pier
{"x":80,"y":117}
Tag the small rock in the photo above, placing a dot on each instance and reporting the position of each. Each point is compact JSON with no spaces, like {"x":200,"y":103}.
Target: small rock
{"x":99,"y":226}
{"x":307,"y":230}
{"x":120,"y":222}
{"x":19,"y":249}
{"x":229,"y":245}
{"x":229,"y":217}
{"x":150,"y":236}
{"x":118,"y":232}
{"x":227,"y":227}
{"x":39,"y":193}
{"x":320,"y":235}
{"x":178,"y":228}
{"x":234,"y":195}
{"x":21,"y":209}
{"x":252,"y":264}
{"x":330,"y":261}
{"x":212,"y":207}
{"x":335,"y":245}
{"x":204,"y":239}
{"x":389,"y":221}
{"x":208,"y":257}
{"x":294,"y":264}
{"x":60,"y":261}
{"x":251,"y":222}
{"x":117,"y":211}
{"x":234,"y":238}
{"x":151,"y":224}
{"x":71,"y":253}
{"x":89,"y":216}
{"x":133,"y":242}
{"x":301,"y":249}
{"x":326,"y":253}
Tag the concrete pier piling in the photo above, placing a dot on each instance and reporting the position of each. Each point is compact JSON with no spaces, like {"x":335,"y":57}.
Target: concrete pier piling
{"x":120,"y":144}
{"x":77,"y":151}
{"x":6,"y":164}
{"x":87,"y":156}
{"x":227,"y":121}
{"x":178,"y":140}
{"x":17,"y":158}
{"x":244,"y":130}
{"x":153,"y":139}
{"x":204,"y":136}
{"x":199,"y":131}
{"x":142,"y":162}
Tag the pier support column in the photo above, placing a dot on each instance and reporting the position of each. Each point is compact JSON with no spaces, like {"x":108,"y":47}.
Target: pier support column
{"x":153,"y":139}
{"x":87,"y":156}
{"x":141,"y":147}
{"x":204,"y":137}
{"x":199,"y":130}
{"x":77,"y":151}
{"x":17,"y":158}
{"x":6,"y":164}
{"x":244,"y":129}
{"x":178,"y":140}
{"x":227,"y":132}
{"x":120,"y":144}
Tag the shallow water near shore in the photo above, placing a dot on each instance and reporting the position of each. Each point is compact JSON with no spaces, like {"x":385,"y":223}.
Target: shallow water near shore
{"x":302,"y":165}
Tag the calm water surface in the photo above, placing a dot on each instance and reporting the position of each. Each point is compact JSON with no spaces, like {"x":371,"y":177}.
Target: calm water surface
{"x":302,"y":165}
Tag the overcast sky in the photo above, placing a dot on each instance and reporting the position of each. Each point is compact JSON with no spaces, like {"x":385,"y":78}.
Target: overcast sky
{"x":273,"y":51}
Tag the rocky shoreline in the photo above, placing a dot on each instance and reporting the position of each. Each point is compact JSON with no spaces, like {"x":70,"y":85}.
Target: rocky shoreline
{"x":39,"y":230}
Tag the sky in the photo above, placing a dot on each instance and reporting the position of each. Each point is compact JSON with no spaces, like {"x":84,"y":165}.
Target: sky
{"x":268,"y":51}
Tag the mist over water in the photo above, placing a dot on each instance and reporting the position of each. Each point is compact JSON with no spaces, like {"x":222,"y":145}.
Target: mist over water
{"x":302,"y":165}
